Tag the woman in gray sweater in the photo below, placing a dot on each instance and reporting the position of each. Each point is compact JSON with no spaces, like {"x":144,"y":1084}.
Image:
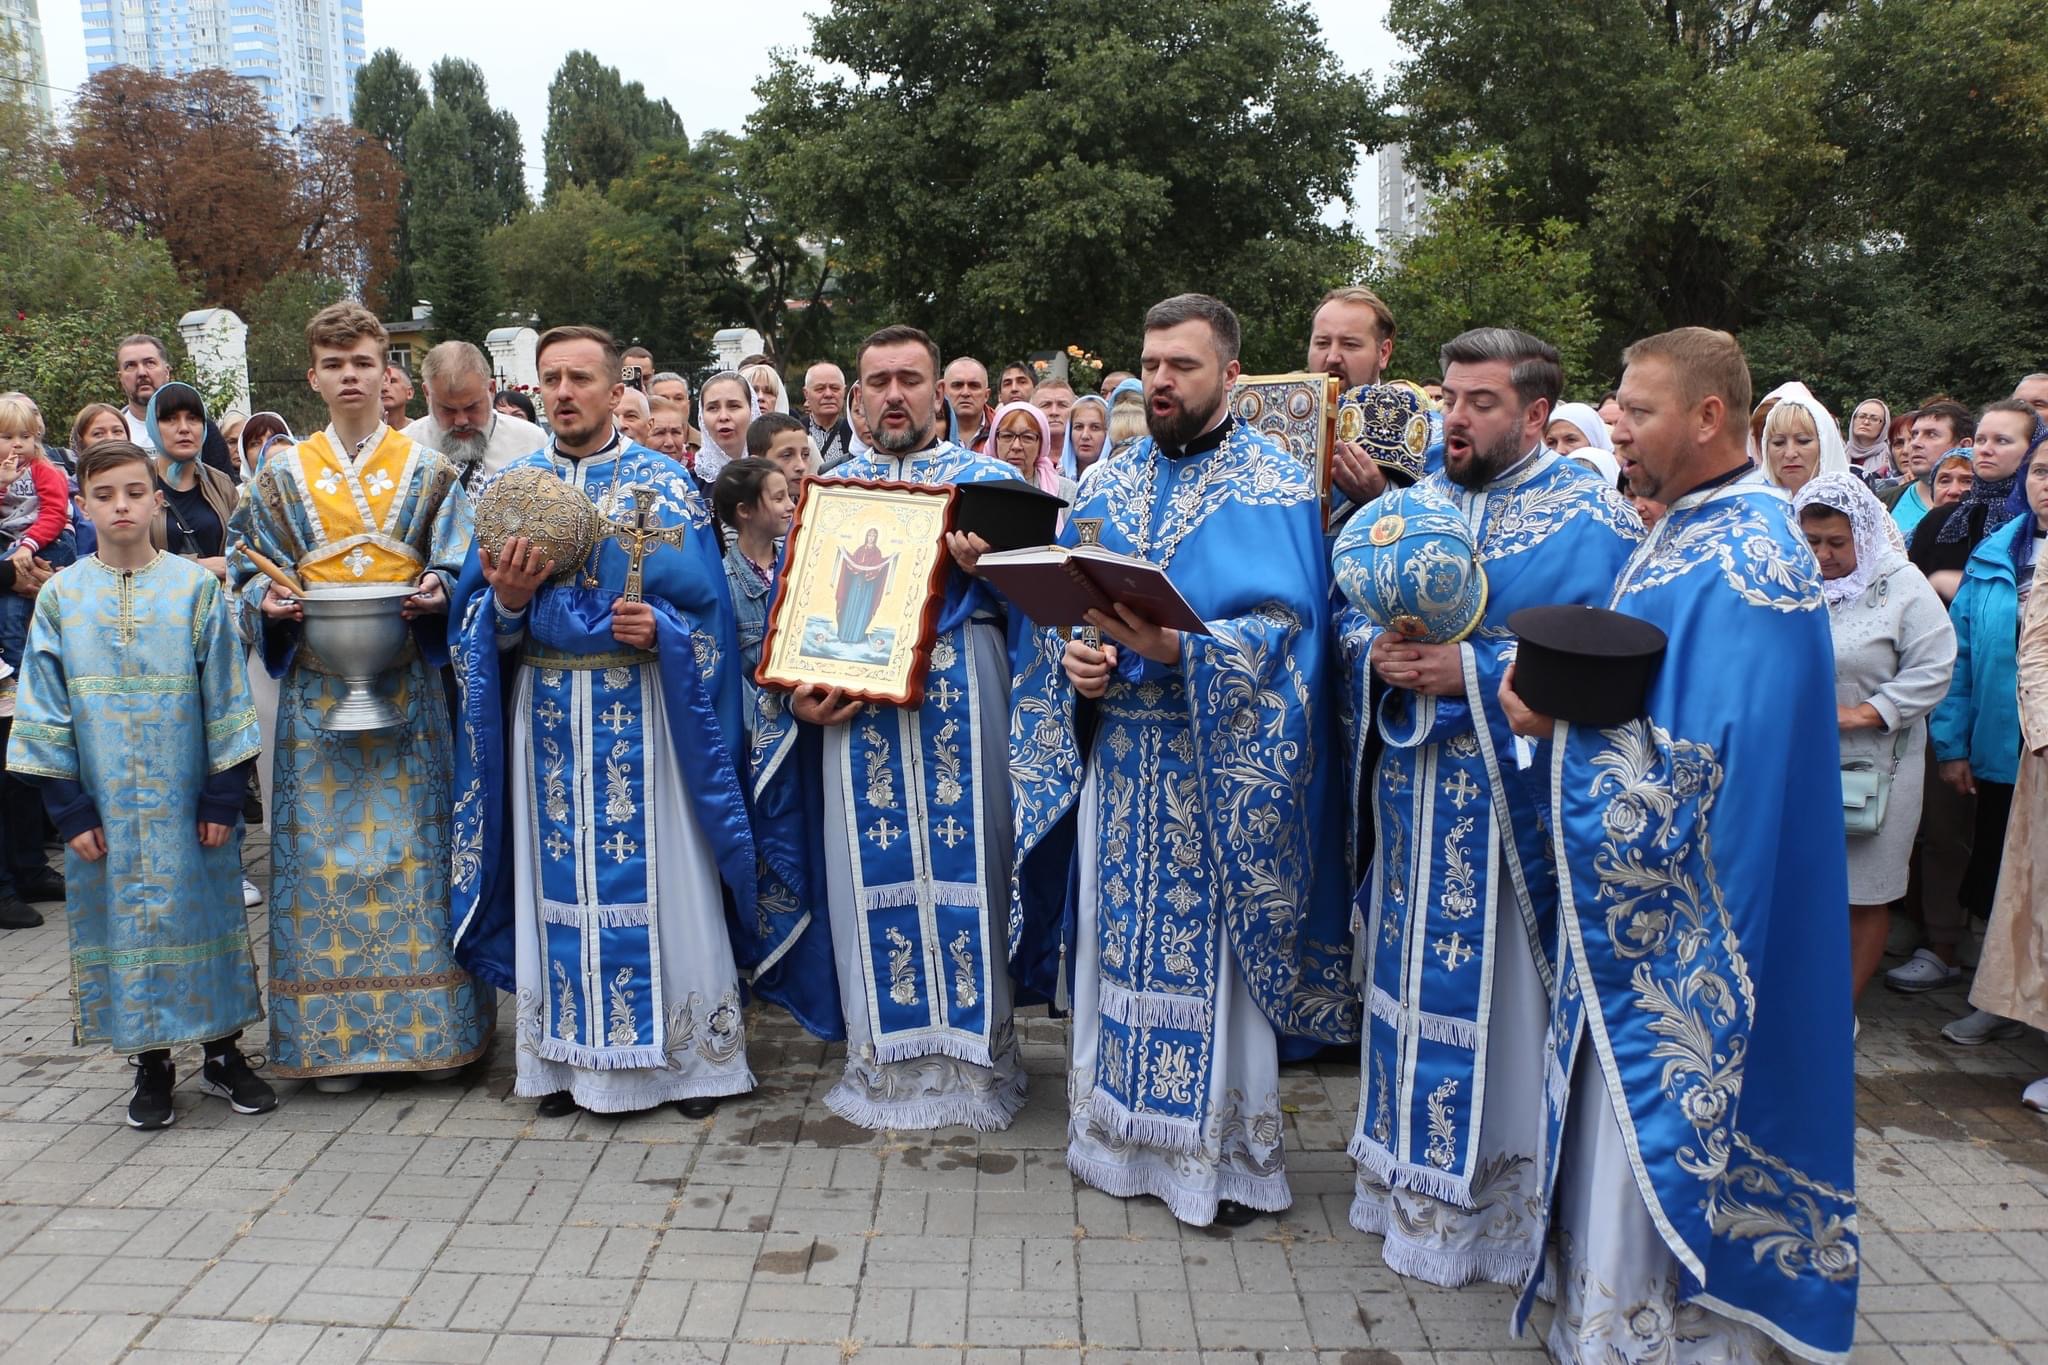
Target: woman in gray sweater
{"x":1894,"y":653}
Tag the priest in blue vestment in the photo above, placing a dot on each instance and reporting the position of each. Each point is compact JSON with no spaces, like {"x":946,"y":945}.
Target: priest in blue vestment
{"x":1179,"y":840}
{"x":1700,"y":1082}
{"x":601,"y":818}
{"x":908,"y":811}
{"x":1460,"y":903}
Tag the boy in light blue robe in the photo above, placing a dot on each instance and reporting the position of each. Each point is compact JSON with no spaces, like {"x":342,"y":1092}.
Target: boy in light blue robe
{"x":134,"y":713}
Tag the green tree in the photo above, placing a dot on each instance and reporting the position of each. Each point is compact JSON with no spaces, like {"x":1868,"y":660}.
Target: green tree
{"x":277,"y":316}
{"x":388,"y":98}
{"x":488,"y":152}
{"x":599,"y":124}
{"x":549,"y":266}
{"x":1473,"y":265}
{"x":1018,"y":175}
{"x":1845,"y":183}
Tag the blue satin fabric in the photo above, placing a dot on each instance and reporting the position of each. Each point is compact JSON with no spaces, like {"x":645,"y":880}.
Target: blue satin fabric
{"x":1452,"y":812}
{"x":916,"y":845}
{"x":697,"y":662}
{"x":1259,"y":699}
{"x":1705,"y":955}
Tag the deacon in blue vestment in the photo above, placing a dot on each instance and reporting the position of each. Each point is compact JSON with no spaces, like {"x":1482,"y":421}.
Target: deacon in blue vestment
{"x":910,"y":812}
{"x":1179,"y":840}
{"x":600,"y":815}
{"x":1460,"y":903}
{"x":1700,"y":1082}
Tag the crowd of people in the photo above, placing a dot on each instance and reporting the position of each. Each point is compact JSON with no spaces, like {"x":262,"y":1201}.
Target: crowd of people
{"x":1598,"y":980}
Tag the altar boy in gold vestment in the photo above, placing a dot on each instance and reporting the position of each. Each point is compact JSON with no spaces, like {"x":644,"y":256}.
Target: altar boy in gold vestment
{"x":361,"y":976}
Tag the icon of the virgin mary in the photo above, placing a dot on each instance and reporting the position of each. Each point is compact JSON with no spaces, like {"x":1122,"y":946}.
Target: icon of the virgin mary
{"x":863,"y":578}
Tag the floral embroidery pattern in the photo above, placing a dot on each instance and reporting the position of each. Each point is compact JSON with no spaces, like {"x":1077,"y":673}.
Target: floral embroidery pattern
{"x":1442,"y":1151}
{"x":624,"y":1026}
{"x":902,"y":976}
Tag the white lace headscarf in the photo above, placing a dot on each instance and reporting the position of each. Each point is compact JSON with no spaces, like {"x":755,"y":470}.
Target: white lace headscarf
{"x":1875,"y":533}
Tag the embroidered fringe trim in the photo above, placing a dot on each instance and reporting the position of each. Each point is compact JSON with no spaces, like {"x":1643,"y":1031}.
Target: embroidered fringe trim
{"x":1383,"y":1166}
{"x":1197,"y":1208}
{"x":990,"y":1114}
{"x":660,"y":1088}
{"x":1385,"y":1008}
{"x":596,"y":916}
{"x":1150,"y":1130}
{"x":908,"y":1047}
{"x":1450,"y":1269}
{"x":1151,"y":1009}
{"x":955,"y":895}
{"x":603,"y":1059}
{"x":1555,"y":1082}
{"x":1438,"y":1028}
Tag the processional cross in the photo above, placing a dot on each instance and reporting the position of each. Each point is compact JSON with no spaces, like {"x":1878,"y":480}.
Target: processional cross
{"x":638,"y":532}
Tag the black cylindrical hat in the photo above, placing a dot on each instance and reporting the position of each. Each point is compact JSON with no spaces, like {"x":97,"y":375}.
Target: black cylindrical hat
{"x":1587,"y":665}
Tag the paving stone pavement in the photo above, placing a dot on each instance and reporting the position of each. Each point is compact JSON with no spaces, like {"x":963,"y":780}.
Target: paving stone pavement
{"x":446,"y":1222}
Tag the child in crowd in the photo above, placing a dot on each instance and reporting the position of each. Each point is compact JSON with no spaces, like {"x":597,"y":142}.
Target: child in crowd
{"x":35,"y":518}
{"x":128,"y":644}
{"x":752,"y":498}
{"x":782,"y":441}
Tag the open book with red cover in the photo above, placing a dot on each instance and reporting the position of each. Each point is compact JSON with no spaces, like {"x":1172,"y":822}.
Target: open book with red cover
{"x":1056,"y":585}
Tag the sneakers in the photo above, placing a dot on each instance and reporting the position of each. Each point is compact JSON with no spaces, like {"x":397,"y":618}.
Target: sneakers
{"x":228,"y":1075}
{"x":2035,"y":1096}
{"x":1982,"y":1026}
{"x":149,"y":1108}
{"x":252,"y":895}
{"x":16,"y":913}
{"x":1923,"y":971}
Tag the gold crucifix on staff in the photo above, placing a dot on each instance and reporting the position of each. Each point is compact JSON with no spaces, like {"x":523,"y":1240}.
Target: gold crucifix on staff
{"x":639,"y":533}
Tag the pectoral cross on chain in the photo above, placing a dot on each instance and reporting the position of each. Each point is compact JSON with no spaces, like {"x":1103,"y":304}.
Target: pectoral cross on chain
{"x":639,"y":533}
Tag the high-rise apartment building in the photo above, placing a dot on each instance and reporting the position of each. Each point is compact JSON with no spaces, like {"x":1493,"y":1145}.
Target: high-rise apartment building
{"x":1404,"y":203}
{"x":25,"y":61}
{"x":302,"y":54}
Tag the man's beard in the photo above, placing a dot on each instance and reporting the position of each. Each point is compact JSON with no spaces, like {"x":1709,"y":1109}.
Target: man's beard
{"x":1486,"y":465}
{"x":464,"y":449}
{"x":913,"y":437}
{"x":1184,"y":423}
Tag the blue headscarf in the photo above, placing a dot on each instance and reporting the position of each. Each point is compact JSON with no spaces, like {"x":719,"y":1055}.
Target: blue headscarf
{"x":1136,"y":386}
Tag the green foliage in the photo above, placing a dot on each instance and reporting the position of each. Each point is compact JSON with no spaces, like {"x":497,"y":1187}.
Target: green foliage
{"x":472,"y":148}
{"x":1008,"y":175}
{"x":388,"y":98}
{"x":1846,"y":184}
{"x":1474,"y":265}
{"x":68,"y":290}
{"x":468,"y":178}
{"x":599,"y":125}
{"x":550,"y":271}
{"x":277,"y":317}
{"x":457,"y":274}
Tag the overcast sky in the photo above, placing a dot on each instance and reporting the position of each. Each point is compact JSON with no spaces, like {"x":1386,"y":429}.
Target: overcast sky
{"x":702,"y":58}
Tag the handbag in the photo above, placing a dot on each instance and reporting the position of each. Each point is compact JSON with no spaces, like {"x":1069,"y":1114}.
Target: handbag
{"x":1867,"y":793}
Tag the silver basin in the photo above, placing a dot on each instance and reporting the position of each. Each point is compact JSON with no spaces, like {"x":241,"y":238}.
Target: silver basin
{"x":357,"y":631}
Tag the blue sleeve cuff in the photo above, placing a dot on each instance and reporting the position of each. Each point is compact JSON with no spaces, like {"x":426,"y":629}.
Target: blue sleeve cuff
{"x":71,"y":810}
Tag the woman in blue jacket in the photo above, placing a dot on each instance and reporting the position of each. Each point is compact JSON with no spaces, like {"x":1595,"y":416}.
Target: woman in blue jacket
{"x":1975,"y":732}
